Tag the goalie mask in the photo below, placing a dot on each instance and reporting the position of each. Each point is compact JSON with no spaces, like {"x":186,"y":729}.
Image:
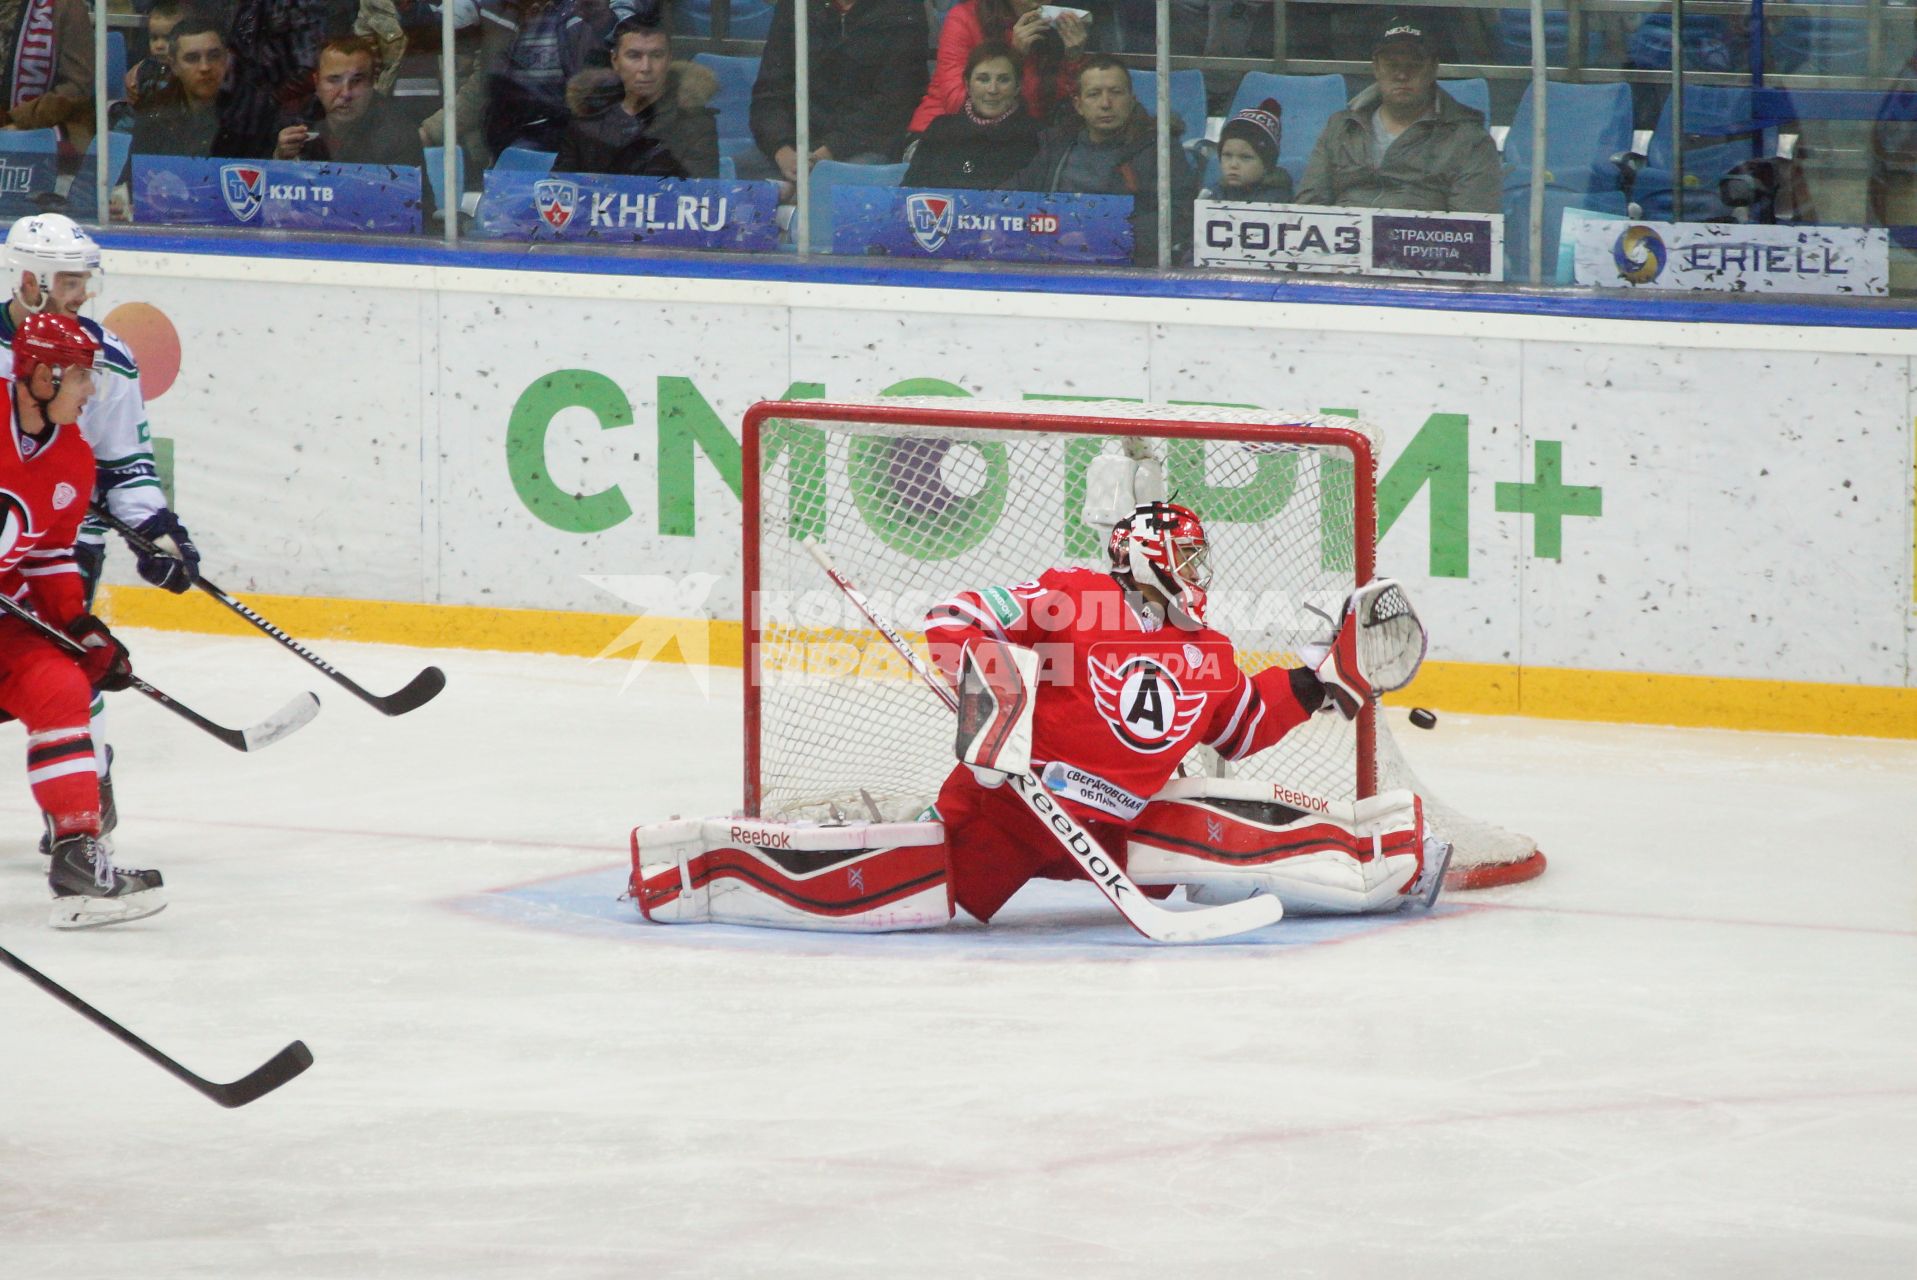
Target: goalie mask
{"x":1163,"y":545}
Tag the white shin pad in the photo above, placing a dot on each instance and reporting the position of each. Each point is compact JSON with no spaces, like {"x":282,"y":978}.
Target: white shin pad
{"x":1225,"y":838}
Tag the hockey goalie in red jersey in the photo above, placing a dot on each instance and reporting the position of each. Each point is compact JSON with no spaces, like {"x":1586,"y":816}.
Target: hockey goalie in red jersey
{"x":46,"y":479}
{"x":1101,"y":684}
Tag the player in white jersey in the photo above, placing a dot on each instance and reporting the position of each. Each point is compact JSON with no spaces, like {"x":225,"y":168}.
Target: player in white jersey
{"x":54,"y":266}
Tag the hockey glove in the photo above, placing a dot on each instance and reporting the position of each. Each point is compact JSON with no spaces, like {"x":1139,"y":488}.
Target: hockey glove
{"x":174,"y":573}
{"x":105,"y":660}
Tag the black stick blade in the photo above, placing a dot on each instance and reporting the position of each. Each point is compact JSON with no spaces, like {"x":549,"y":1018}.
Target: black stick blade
{"x":422,"y":689}
{"x":276,"y":1071}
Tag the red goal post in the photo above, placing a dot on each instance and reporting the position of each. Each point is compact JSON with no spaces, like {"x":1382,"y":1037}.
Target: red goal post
{"x":917,"y":498}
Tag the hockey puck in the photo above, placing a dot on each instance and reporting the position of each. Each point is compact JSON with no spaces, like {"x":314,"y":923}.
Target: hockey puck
{"x":1424,"y":719}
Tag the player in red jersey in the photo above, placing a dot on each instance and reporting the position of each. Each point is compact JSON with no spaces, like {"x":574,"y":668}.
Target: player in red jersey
{"x":1102,"y":683}
{"x":46,"y":478}
{"x":1129,"y":681}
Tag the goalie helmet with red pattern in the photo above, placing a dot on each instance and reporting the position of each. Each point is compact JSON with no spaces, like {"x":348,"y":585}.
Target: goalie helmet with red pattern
{"x":1162,"y":545}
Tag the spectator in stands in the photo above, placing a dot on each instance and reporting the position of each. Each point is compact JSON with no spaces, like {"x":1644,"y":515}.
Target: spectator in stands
{"x":347,"y":121}
{"x":1248,"y":168}
{"x":647,"y":117}
{"x":150,"y":74}
{"x":1050,"y":53}
{"x":273,"y":43}
{"x":199,"y":113}
{"x":1111,"y":149}
{"x":987,"y":140}
{"x":867,"y":73}
{"x":1404,"y":143}
{"x":48,"y":53}
{"x":516,"y":94}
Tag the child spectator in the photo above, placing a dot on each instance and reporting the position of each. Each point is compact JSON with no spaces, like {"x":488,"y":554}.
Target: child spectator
{"x":1050,"y":53}
{"x":1248,"y":167}
{"x":867,"y":71}
{"x":988,"y":139}
{"x":646,"y":117}
{"x":150,"y":74}
{"x":199,"y":113}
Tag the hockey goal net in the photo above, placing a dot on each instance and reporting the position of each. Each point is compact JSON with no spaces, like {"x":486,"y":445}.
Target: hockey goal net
{"x":918,"y":498}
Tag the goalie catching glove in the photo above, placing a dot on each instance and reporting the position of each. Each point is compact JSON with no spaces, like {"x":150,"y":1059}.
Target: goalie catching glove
{"x":1378,"y":647}
{"x":997,"y":689}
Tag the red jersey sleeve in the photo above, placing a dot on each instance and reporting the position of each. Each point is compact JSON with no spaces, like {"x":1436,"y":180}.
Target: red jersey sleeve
{"x":1003,"y":613}
{"x":1262,"y":709}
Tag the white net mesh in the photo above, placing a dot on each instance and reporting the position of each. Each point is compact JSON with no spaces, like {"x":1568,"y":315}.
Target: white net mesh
{"x":913,"y":512}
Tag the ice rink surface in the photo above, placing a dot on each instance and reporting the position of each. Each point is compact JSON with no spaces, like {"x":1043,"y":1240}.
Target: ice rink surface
{"x":1689,"y":1050}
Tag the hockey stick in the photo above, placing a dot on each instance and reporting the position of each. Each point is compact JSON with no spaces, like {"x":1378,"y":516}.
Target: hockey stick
{"x":270,"y":1075}
{"x":420,"y":690}
{"x":1160,"y":924}
{"x":288,"y":718}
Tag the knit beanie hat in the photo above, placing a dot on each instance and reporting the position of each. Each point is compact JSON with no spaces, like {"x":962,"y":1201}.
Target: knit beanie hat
{"x":1259,"y":127}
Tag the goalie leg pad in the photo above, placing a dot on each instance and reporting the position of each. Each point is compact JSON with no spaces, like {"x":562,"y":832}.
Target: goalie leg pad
{"x":853,"y":878}
{"x":1338,"y":859}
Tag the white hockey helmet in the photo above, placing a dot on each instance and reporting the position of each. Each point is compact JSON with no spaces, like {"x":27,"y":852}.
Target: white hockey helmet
{"x":48,"y":244}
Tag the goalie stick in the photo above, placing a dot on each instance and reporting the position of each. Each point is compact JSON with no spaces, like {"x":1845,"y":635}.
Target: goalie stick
{"x":287,"y":719}
{"x":1160,"y":924}
{"x":420,"y":690}
{"x":262,"y":1080}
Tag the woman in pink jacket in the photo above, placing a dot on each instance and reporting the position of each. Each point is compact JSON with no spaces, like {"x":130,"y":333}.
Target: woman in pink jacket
{"x":1051,"y":51}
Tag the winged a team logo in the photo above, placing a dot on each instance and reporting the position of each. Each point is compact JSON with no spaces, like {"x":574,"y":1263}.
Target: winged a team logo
{"x":1143,"y":702}
{"x":556,"y":200}
{"x":14,"y":524}
{"x":243,"y":187}
{"x":930,"y":217}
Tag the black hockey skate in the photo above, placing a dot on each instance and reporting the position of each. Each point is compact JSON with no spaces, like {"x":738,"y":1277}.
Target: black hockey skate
{"x":89,"y":891}
{"x":109,"y":812}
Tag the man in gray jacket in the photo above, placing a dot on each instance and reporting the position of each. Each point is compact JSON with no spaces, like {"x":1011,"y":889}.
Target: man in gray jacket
{"x":1404,"y":143}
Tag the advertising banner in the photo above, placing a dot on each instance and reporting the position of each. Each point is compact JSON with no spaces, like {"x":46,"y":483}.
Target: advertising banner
{"x":695,"y":213}
{"x":29,"y":164}
{"x":996,"y":226}
{"x":1267,"y":237}
{"x":278,"y":195}
{"x":1740,"y":257}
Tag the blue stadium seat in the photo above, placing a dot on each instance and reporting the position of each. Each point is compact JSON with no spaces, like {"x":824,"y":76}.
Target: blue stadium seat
{"x":734,"y":99}
{"x":830,"y":174}
{"x":1707,"y":44}
{"x":81,"y":204}
{"x":1514,"y":38}
{"x":31,"y":160}
{"x":526,"y":159}
{"x":1306,"y":103}
{"x":1718,"y":133}
{"x":750,"y":19}
{"x":1589,"y":123}
{"x":1818,"y":46}
{"x":1187,"y":100}
{"x":1475,"y":94}
{"x":116,"y":66}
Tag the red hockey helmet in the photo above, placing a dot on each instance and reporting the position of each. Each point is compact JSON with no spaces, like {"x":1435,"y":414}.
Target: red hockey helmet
{"x":57,"y":340}
{"x":1162,"y":544}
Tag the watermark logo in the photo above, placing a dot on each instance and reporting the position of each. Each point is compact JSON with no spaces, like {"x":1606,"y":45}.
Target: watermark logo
{"x":673,"y":613}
